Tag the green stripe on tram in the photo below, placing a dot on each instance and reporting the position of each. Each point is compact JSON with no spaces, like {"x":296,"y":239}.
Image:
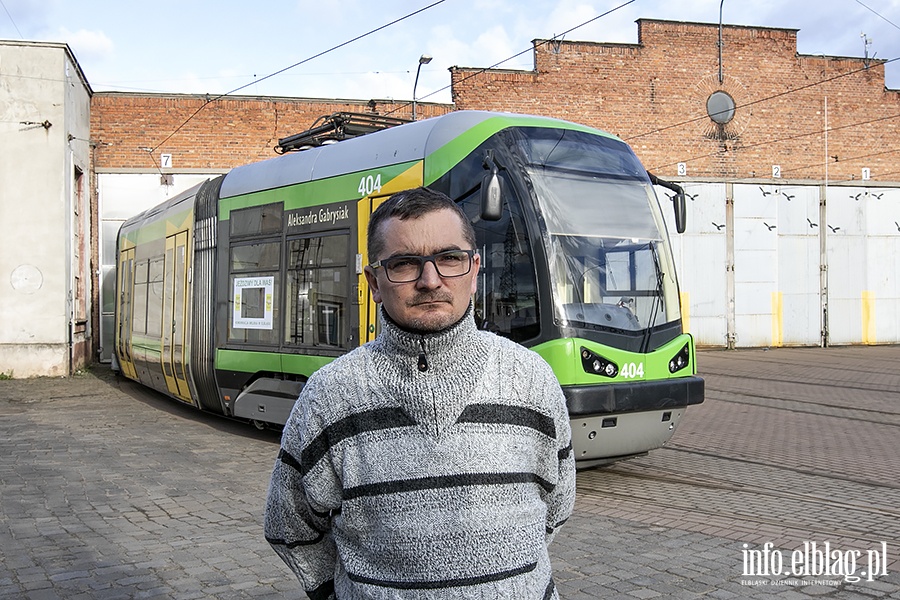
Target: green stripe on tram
{"x":249,"y":361}
{"x":447,"y":156}
{"x":312,"y":193}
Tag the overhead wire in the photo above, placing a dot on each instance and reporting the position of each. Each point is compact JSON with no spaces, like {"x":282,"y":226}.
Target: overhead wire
{"x":877,"y":14}
{"x":779,"y":95}
{"x":549,"y":41}
{"x":692,"y":120}
{"x":280,"y":71}
{"x":119,"y":87}
{"x":761,"y":100}
{"x":11,"y":20}
{"x":516,"y":55}
{"x":785,"y":139}
{"x":844,"y":159}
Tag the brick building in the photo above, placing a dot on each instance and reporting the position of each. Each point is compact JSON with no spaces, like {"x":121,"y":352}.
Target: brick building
{"x":209,"y":134}
{"x":738,"y":128}
{"x":654,"y":95}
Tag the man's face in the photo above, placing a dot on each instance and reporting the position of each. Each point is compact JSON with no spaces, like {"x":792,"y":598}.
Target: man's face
{"x":430,"y":303}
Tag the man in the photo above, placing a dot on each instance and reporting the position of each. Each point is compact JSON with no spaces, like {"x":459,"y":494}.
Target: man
{"x":436,"y":461}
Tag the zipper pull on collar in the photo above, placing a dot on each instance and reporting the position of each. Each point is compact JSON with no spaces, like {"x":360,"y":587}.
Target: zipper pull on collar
{"x":423,"y":359}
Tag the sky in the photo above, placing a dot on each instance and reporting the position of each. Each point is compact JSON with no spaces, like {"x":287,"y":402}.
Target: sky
{"x":363,"y":49}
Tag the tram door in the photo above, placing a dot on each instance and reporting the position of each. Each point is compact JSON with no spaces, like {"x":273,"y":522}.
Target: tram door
{"x":368,"y":310}
{"x":174,"y":313}
{"x":123,"y":312}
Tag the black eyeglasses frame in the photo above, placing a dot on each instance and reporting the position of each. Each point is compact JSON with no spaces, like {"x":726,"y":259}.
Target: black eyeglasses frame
{"x":422,"y":260}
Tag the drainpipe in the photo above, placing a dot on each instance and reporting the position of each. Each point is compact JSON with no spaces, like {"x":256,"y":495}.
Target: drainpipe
{"x":823,"y":245}
{"x":730,"y":322}
{"x":720,"y":40}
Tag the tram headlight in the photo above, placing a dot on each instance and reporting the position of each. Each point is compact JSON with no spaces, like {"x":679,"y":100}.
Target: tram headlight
{"x":597,"y":365}
{"x":680,"y":360}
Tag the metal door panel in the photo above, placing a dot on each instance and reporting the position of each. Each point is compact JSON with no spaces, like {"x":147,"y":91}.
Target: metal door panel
{"x":755,"y":264}
{"x":700,"y":258}
{"x":798,"y":316}
{"x":881,"y":315}
{"x":847,"y":264}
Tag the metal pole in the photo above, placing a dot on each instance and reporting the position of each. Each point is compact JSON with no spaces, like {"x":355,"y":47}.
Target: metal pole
{"x":423,"y":60}
{"x":823,"y":245}
{"x":720,"y":40}
{"x":730,"y":320}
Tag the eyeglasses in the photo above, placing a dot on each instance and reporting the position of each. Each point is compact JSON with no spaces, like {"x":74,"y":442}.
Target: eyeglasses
{"x":404,"y":269}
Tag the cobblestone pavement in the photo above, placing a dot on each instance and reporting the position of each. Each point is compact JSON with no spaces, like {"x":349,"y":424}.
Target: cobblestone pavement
{"x":109,"y":491}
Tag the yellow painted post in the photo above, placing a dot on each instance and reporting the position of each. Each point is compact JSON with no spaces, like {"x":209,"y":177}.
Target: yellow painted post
{"x":777,"y":320}
{"x":868,"y":318}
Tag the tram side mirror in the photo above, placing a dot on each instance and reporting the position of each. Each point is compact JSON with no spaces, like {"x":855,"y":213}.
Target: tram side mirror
{"x":491,"y":191}
{"x":678,"y":201}
{"x":491,"y":197}
{"x":679,"y":206}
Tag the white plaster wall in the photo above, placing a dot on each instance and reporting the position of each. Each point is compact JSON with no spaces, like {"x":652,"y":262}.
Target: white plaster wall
{"x":42,"y":102}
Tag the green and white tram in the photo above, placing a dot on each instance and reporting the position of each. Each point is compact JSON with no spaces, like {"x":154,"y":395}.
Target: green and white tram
{"x":232,"y":294}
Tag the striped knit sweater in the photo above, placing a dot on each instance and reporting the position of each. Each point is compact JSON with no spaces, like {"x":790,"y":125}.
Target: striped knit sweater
{"x":433,"y":466}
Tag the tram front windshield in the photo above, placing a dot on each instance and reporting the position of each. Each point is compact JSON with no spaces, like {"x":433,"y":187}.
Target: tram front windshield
{"x":610,"y":265}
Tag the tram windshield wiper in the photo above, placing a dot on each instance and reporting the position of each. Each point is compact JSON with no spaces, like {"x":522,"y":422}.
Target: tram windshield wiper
{"x":655,"y":307}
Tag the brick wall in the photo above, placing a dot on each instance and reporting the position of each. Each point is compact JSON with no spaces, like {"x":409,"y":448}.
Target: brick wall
{"x":653,"y":94}
{"x":210,"y":135}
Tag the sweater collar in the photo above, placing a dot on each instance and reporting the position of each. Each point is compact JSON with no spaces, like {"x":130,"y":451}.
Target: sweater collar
{"x":410,"y":342}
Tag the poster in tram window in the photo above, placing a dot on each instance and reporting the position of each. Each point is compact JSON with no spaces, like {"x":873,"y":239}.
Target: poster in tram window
{"x":253,"y":302}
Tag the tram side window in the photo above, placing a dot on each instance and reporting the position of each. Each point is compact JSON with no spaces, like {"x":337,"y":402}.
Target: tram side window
{"x":506,"y":301}
{"x":318,"y":286}
{"x":257,"y":220}
{"x":141,"y":279}
{"x":254,"y":289}
{"x":155,"y":297}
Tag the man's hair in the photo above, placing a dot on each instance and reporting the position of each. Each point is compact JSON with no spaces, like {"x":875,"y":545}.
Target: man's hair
{"x":412,"y":204}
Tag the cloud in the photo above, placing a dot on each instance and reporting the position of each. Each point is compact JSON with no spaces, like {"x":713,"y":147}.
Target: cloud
{"x":90,"y":45}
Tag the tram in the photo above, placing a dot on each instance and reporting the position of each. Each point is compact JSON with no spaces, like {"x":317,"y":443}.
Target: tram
{"x":230,"y":295}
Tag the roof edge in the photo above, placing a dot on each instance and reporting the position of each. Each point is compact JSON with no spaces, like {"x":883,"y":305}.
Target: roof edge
{"x":59,"y":45}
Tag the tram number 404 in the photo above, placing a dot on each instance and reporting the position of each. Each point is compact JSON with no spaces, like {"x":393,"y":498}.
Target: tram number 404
{"x":632,"y":370}
{"x":369,"y":185}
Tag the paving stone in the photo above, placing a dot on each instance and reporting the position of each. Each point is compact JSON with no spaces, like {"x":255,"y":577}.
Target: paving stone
{"x":111,"y":491}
